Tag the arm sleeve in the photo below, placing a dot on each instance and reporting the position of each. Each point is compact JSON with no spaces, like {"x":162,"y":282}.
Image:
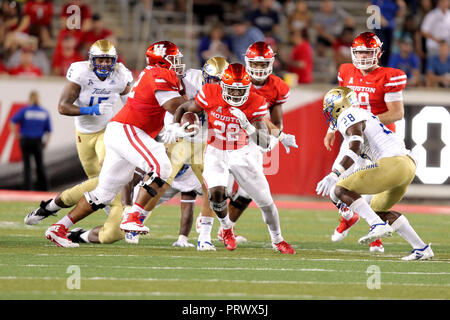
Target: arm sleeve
{"x":395,"y":81}
{"x":200,"y":99}
{"x":74,"y":73}
{"x":18,"y":116}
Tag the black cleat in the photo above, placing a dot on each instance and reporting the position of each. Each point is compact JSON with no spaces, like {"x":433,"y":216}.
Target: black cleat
{"x":75,"y":235}
{"x":35,"y":216}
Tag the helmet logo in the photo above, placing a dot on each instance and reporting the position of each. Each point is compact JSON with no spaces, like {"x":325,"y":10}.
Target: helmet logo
{"x":159,"y":50}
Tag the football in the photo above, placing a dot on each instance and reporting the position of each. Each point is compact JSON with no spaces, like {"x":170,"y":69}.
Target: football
{"x":193,"y":120}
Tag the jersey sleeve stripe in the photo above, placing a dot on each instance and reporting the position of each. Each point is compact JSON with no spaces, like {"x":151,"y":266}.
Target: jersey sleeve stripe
{"x":202,"y":93}
{"x":160,"y":81}
{"x":265,"y":106}
{"x":339,"y":78}
{"x":201,"y":100}
{"x":389,"y":84}
{"x":259,"y":113}
{"x":398,"y":78}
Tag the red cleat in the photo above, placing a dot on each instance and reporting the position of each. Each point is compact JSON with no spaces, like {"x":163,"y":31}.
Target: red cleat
{"x":283,"y":247}
{"x":376,"y":246}
{"x":132,"y":222}
{"x":229,"y":240}
{"x":342,"y":230}
{"x":57,"y":233}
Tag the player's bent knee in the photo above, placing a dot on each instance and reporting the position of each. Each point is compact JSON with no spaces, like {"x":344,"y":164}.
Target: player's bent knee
{"x":99,"y":199}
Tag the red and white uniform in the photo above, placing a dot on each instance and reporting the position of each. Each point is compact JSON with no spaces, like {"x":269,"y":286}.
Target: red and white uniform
{"x":129,"y":137}
{"x":275,"y":91}
{"x":227,"y":151}
{"x":374,"y":89}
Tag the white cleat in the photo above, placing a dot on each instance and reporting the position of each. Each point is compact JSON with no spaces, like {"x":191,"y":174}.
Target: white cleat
{"x":337,"y":236}
{"x":205,"y":246}
{"x":182,"y":244}
{"x":378,"y":230}
{"x":420,"y":254}
{"x":57,"y":233}
{"x":132,"y":237}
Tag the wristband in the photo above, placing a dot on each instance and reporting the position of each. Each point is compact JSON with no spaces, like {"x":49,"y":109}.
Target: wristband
{"x":90,"y":110}
{"x":281,"y":136}
{"x":250,"y":129}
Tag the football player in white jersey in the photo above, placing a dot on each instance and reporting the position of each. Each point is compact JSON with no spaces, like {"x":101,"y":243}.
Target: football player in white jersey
{"x":190,"y":151}
{"x":387,"y":178}
{"x":92,"y":89}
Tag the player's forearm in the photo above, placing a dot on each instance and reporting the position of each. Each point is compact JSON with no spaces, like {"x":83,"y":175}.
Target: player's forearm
{"x":261,"y":135}
{"x":389,"y":117}
{"x":68,"y":109}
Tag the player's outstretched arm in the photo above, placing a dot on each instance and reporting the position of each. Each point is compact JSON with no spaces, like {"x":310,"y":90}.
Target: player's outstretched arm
{"x":70,"y":93}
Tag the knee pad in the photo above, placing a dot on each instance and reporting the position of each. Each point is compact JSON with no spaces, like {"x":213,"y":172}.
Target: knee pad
{"x":94,"y":201}
{"x":218,"y":206}
{"x":152,"y":178}
{"x":240,"y":203}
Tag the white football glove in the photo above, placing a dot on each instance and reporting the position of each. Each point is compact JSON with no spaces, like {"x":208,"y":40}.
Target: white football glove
{"x":324,"y":186}
{"x":174,"y":131}
{"x":243,"y":121}
{"x":105,"y":107}
{"x":288,"y":141}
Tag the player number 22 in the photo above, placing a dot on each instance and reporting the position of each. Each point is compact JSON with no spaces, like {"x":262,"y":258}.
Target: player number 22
{"x":228,"y":132}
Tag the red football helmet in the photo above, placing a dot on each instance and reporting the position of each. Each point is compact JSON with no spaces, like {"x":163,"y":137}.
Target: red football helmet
{"x":366,"y":42}
{"x":165,"y":54}
{"x":259,"y":60}
{"x":235,"y":83}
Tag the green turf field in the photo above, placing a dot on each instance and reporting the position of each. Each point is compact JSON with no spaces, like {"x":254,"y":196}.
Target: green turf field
{"x":33,"y":268}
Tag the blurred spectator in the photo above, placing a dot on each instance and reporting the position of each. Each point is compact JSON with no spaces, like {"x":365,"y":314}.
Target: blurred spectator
{"x":438,"y":68}
{"x":330,"y":21}
{"x":390,"y":10}
{"x":342,"y":46}
{"x":39,"y":59}
{"x":300,"y":18}
{"x":67,"y":15}
{"x":26,"y":67}
{"x":214,"y":44}
{"x":407,"y":61}
{"x":14,"y":25}
{"x":97,"y":32}
{"x":34,"y":134}
{"x":279,"y":65}
{"x":77,"y":34}
{"x":265,"y":18}
{"x":40,"y":13}
{"x":324,"y":67}
{"x":64,"y":58}
{"x":436,"y":27}
{"x":410,"y":29}
{"x":302,"y":57}
{"x":242,"y":36}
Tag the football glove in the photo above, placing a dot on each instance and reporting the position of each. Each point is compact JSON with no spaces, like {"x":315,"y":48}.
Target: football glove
{"x":243,"y":121}
{"x":288,"y":141}
{"x":324,"y":186}
{"x":174,"y":131}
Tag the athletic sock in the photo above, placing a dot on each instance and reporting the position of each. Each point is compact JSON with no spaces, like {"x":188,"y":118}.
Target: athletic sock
{"x":52,"y":206}
{"x":407,"y":232}
{"x":272,"y":219}
{"x":137,"y":207}
{"x":361,"y":207}
{"x":226,"y":223}
{"x":66,"y":221}
{"x":205,"y":229}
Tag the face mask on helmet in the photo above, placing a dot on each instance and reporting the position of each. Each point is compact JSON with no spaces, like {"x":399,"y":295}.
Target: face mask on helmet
{"x":235,"y":95}
{"x":365,"y":58}
{"x":175,"y":64}
{"x":103,"y":57}
{"x":366,"y":50}
{"x":259,"y":60}
{"x":235,"y":83}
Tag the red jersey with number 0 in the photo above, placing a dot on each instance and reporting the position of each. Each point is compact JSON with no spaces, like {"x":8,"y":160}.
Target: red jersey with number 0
{"x":372,"y":88}
{"x":224,"y":131}
{"x":142,"y":110}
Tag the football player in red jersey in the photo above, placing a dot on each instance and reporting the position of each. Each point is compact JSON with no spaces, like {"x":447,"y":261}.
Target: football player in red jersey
{"x":379,"y":90}
{"x":234,"y":113}
{"x":259,"y":60}
{"x":129,"y":143}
